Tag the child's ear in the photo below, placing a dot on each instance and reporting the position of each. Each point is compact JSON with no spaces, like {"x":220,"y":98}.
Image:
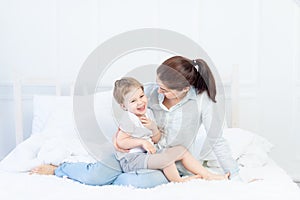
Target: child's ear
{"x":123,"y":107}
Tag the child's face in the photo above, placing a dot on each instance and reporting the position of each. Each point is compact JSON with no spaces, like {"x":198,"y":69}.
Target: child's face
{"x":136,"y":102}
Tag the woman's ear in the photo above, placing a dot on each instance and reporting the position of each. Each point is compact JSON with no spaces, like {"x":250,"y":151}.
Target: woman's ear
{"x":186,"y":89}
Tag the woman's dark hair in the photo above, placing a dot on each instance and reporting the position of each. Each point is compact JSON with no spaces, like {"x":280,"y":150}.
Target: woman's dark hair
{"x":178,"y":72}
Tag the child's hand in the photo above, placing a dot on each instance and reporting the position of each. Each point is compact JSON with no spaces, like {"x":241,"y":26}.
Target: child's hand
{"x":149,"y":147}
{"x":148,"y":123}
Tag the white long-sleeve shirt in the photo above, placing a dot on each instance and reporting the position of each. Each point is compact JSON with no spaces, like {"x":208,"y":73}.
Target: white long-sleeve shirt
{"x":181,"y":123}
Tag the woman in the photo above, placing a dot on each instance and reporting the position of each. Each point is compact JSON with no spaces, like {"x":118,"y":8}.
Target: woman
{"x":182,"y":100}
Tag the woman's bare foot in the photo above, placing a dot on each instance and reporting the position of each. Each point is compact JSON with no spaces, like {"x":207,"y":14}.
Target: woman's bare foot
{"x":218,"y":177}
{"x":255,"y":179}
{"x":44,"y":170}
{"x":185,"y":179}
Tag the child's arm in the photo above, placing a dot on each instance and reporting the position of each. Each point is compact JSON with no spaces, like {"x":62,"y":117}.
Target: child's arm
{"x":148,"y":123}
{"x":126,"y":141}
{"x":116,"y":146}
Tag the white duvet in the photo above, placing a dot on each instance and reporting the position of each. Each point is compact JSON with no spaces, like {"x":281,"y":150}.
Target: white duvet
{"x":275,"y":184}
{"x":56,"y":147}
{"x":46,"y":148}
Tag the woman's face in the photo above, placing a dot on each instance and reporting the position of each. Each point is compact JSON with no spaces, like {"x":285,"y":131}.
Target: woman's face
{"x":170,"y":93}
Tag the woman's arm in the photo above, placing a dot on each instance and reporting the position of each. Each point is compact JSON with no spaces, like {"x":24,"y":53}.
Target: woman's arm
{"x":213,"y":124}
{"x":156,"y":136}
{"x":151,"y":125}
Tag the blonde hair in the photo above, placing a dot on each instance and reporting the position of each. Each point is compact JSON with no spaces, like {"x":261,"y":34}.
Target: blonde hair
{"x":123,"y":87}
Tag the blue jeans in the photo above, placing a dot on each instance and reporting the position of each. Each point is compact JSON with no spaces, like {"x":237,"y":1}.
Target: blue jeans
{"x":108,"y":172}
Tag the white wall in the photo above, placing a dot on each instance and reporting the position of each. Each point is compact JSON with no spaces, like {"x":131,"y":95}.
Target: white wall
{"x":51,"y":39}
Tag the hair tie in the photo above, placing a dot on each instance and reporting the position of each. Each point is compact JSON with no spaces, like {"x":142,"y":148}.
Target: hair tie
{"x":195,"y":64}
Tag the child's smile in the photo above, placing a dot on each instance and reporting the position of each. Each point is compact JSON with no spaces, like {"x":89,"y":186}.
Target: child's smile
{"x":136,"y":102}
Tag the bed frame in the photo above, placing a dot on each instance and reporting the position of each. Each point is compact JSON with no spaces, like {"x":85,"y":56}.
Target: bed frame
{"x":18,"y":101}
{"x":231,"y":81}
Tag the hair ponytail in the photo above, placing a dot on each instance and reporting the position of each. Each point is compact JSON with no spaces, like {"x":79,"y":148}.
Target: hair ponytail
{"x":205,"y":80}
{"x":178,"y":72}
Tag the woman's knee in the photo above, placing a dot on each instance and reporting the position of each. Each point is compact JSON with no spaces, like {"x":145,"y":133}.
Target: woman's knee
{"x":177,"y":151}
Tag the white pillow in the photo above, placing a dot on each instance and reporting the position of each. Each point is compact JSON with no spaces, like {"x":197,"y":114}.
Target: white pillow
{"x":248,"y":148}
{"x":60,"y":118}
{"x":241,"y":141}
{"x":105,"y":114}
{"x":255,"y":156}
{"x":54,"y":138}
{"x":57,"y":112}
{"x":43,"y":105}
{"x":62,"y":115}
{"x":257,"y":153}
{"x":238,"y":140}
{"x":56,"y":109}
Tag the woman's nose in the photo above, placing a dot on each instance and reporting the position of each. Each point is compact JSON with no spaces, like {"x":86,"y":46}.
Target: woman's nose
{"x":160,"y":91}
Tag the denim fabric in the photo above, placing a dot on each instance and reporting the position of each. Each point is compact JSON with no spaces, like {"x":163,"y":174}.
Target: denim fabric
{"x":108,"y":172}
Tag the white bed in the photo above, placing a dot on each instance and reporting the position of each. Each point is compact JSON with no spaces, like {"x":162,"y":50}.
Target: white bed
{"x":276,"y":185}
{"x":53,"y":141}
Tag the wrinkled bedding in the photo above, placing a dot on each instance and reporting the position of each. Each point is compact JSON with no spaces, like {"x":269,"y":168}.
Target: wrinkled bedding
{"x":273,"y":184}
{"x":250,"y":150}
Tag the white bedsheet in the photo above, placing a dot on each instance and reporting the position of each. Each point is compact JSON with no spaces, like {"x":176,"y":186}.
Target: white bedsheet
{"x":275,"y":184}
{"x":59,"y":146}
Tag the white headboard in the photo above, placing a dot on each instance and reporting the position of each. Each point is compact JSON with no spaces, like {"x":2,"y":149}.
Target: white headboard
{"x":230,"y":81}
{"x":235,"y":96}
{"x":18,"y":98}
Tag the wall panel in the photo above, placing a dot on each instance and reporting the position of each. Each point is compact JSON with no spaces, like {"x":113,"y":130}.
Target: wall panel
{"x":7,"y":136}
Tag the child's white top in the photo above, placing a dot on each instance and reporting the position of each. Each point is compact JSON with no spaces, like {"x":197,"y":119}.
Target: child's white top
{"x":132,"y":125}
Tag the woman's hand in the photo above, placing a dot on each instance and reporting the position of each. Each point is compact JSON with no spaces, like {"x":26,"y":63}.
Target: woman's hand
{"x":148,"y":123}
{"x":149,"y":147}
{"x":151,"y":125}
{"x":115,"y":144}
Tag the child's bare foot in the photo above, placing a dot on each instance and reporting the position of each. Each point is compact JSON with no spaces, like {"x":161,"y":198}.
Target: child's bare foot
{"x":44,"y":170}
